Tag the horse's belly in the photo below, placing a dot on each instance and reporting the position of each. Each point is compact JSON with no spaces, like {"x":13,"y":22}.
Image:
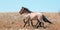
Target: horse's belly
{"x":34,"y":18}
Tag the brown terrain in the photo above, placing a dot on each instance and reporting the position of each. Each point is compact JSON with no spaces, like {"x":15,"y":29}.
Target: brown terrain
{"x":14,"y":21}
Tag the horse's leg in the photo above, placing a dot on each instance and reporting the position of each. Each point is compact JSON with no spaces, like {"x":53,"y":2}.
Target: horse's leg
{"x":25,"y":22}
{"x":31,"y":23}
{"x":37,"y":24}
{"x":28,"y":23}
{"x":34,"y":26}
{"x":41,"y":24}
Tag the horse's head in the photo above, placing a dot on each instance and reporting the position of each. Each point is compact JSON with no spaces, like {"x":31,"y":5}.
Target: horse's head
{"x":24,"y":10}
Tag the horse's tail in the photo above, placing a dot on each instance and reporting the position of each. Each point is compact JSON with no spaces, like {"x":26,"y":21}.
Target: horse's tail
{"x":46,"y":20}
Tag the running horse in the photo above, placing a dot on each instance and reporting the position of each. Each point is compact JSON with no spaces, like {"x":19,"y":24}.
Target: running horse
{"x":33,"y":16}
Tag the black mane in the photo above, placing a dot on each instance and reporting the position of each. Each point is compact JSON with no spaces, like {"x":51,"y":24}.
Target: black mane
{"x":27,"y":10}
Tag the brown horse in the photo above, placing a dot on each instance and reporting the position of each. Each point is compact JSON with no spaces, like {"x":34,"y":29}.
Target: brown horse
{"x":33,"y":16}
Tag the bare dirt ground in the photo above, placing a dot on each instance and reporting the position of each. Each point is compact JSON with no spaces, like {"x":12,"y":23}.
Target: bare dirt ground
{"x":14,"y":21}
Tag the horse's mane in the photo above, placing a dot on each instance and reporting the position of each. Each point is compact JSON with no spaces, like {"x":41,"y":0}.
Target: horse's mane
{"x":27,"y":10}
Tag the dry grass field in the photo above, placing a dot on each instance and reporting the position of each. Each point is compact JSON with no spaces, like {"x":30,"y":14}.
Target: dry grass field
{"x":14,"y":21}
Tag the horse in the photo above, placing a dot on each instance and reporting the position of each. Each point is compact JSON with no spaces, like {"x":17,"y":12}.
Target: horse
{"x":33,"y":16}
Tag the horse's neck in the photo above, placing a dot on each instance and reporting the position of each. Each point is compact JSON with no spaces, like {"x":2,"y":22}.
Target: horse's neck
{"x":25,"y":14}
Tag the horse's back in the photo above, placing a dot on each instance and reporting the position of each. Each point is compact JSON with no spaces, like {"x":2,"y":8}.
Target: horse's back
{"x":36,"y":14}
{"x":32,"y":15}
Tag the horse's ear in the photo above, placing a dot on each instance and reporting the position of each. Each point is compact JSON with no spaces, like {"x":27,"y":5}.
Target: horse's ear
{"x":22,"y":7}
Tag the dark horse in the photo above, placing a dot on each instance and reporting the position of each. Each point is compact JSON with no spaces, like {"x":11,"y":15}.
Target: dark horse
{"x":33,"y":16}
